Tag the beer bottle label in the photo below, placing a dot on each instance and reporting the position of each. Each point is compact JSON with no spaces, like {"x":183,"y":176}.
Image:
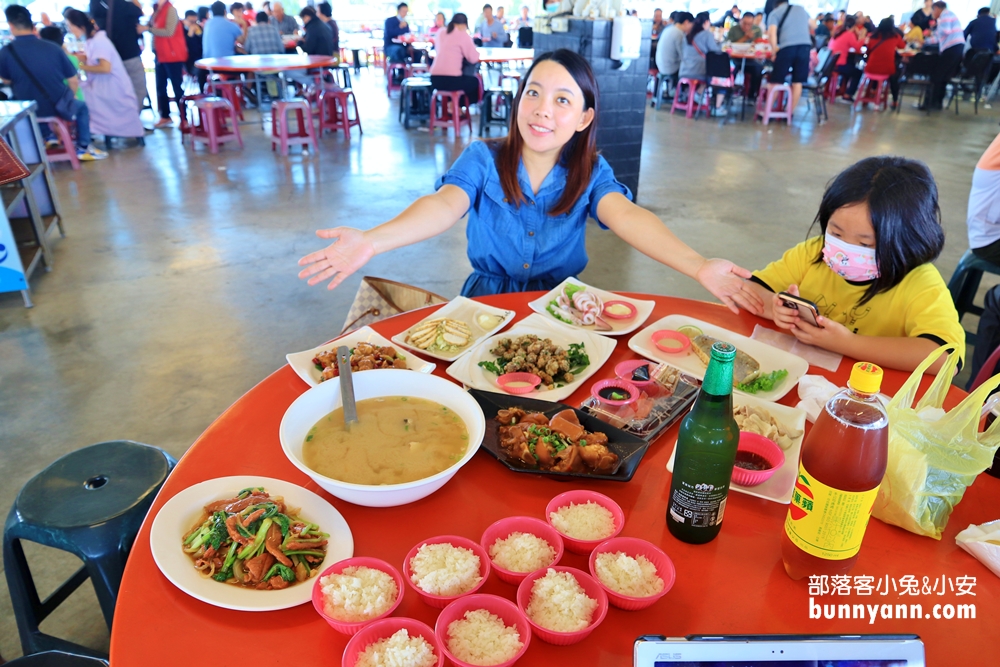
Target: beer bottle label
{"x":826,"y":522}
{"x":698,"y":505}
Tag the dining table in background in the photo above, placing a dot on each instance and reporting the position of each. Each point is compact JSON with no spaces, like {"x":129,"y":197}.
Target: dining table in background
{"x":735,"y":584}
{"x":259,"y":66}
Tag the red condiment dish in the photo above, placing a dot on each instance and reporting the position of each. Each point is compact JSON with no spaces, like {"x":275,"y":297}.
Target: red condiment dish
{"x":440,"y":601}
{"x":385,"y":628}
{"x":662,"y":339}
{"x":581,"y":497}
{"x":626,"y":387}
{"x":352,"y":627}
{"x":506,"y":381}
{"x":506,"y":610}
{"x":589,"y":585}
{"x":607,"y":313}
{"x":503,"y":528}
{"x":765,"y":448}
{"x":625,"y":369}
{"x":634,"y":547}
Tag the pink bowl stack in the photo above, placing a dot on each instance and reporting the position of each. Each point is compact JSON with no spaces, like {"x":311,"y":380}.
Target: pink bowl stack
{"x":589,"y":585}
{"x":505,"y":609}
{"x":347,"y":627}
{"x":635,"y":547}
{"x":386,"y":628}
{"x":520,"y":524}
{"x":581,"y":497}
{"x":440,"y":601}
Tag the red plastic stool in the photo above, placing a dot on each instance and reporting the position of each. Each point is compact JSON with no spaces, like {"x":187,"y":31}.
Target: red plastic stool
{"x":454,"y":111}
{"x":832,"y":86}
{"x":878,"y":97}
{"x":68,"y":149}
{"x":231,"y":92}
{"x":334,"y":111}
{"x":212,"y":127}
{"x":773,"y":102}
{"x":281,"y":135}
{"x":188,"y":113}
{"x":693,"y":86}
{"x":391,"y":69}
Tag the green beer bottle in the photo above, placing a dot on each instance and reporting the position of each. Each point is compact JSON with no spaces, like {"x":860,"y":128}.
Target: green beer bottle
{"x":706,"y":452}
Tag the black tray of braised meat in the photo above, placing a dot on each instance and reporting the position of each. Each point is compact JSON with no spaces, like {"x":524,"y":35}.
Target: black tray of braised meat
{"x":629,"y":448}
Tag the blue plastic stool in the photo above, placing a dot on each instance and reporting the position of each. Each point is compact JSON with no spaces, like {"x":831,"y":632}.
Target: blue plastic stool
{"x":965,"y":280}
{"x":90,"y":503}
{"x":57,"y":659}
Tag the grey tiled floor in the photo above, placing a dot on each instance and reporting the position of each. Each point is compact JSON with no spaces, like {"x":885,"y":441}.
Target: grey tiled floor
{"x":175,"y":289}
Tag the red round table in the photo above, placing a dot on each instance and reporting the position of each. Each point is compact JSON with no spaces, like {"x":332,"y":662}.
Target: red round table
{"x":735,"y":584}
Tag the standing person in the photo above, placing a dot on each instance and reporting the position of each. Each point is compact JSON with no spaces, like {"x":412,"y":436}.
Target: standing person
{"x":490,"y":31}
{"x":922,"y":17}
{"x":192,"y":38}
{"x":108,"y":89}
{"x":788,"y":32}
{"x":528,"y":196}
{"x":325,"y":13}
{"x":950,"y":38}
{"x":221,"y":34}
{"x":732,"y":16}
{"x":670,"y":50}
{"x":263,"y":38}
{"x":882,"y":46}
{"x":454,"y":47}
{"x":39,"y":70}
{"x":501,"y":19}
{"x":395,"y":27}
{"x":170,"y":47}
{"x":850,"y":40}
{"x":318,"y":39}
{"x":124,"y":35}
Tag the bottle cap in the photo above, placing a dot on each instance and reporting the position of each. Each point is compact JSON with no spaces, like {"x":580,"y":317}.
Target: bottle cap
{"x":865,"y":377}
{"x":722,"y":351}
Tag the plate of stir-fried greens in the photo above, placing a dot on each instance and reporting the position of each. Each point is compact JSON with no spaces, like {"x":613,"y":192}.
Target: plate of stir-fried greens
{"x":248,"y":543}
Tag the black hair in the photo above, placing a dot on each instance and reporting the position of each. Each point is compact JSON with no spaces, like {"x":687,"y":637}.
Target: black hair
{"x":82,"y":21}
{"x":202,"y":13}
{"x":886,"y":29}
{"x":457,"y":19}
{"x":984,"y":11}
{"x":487,"y":6}
{"x":19,"y":17}
{"x":902,"y":200}
{"x":940,"y":5}
{"x":190,"y":12}
{"x":748,"y":15}
{"x":261,"y":17}
{"x":236,"y":7}
{"x":401,"y":5}
{"x":325,"y":8}
{"x":52,"y":33}
{"x":684,"y":16}
{"x":699,"y":26}
{"x":307,"y":11}
{"x":218,"y":9}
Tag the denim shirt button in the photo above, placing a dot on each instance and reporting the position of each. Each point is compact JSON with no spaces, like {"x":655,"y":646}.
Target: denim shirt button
{"x":526,"y":266}
{"x":531,"y":233}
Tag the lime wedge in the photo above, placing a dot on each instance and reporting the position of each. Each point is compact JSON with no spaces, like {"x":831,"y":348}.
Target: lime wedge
{"x":690,"y":331}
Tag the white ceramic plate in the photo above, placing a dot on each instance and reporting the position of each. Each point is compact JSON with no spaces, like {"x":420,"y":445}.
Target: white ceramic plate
{"x":464,"y":310}
{"x":599,"y":348}
{"x":618,"y":327}
{"x":779,"y":487}
{"x":180,"y":513}
{"x":770,"y":358}
{"x":301,"y":362}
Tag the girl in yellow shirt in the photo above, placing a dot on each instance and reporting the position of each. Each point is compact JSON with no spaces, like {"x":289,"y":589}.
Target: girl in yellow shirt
{"x":870,"y":274}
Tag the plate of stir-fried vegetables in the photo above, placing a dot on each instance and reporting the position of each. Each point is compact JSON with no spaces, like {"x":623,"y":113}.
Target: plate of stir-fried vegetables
{"x":248,"y":543}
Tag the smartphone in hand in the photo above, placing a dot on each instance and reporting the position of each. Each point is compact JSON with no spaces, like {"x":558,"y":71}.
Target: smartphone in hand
{"x":807,"y":309}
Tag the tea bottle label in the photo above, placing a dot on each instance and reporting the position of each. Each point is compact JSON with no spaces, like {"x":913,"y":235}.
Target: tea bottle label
{"x":826,"y":522}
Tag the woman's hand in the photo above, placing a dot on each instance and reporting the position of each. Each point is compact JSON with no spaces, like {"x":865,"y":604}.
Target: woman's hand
{"x":829,"y":335}
{"x":786,"y":318}
{"x":350,"y":251}
{"x":726,"y":281}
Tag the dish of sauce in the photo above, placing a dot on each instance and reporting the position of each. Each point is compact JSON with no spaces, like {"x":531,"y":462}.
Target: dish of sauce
{"x":751,"y":461}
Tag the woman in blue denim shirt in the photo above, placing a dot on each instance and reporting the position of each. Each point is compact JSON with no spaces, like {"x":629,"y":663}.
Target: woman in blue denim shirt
{"x":528,"y":197}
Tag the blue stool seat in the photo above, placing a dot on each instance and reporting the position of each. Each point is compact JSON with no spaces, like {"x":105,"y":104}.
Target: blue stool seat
{"x":90,"y":503}
{"x":965,"y":280}
{"x":495,"y":109}
{"x":415,"y":100}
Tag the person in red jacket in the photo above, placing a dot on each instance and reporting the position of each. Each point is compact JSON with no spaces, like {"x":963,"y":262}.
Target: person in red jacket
{"x":882,"y":46}
{"x":851,"y":38}
{"x":170,"y":47}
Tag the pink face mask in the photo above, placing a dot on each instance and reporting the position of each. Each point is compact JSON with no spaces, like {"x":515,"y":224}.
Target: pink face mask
{"x":851,"y":262}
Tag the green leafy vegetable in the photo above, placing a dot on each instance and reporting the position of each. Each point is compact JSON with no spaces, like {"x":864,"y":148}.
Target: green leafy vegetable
{"x":571,"y":289}
{"x":553,"y":309}
{"x":283,"y":571}
{"x":490,"y":367}
{"x":765,"y":382}
{"x":577,"y":356}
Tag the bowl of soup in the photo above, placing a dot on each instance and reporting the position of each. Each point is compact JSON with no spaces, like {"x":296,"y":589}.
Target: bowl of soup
{"x":414,"y":432}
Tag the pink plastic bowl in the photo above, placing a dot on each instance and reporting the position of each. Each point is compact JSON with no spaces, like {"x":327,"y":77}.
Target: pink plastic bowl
{"x":520,"y":524}
{"x":505,"y":609}
{"x":662,"y":339}
{"x":764,"y":447}
{"x":387,"y":627}
{"x":624,"y":372}
{"x":618,"y":302}
{"x":634,"y":547}
{"x":627,"y":387}
{"x":344,"y":626}
{"x":580,"y":497}
{"x":533,"y":381}
{"x":590,"y":586}
{"x":440,"y":601}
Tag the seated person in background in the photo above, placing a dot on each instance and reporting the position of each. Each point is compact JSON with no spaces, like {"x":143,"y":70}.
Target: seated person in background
{"x":745,"y":32}
{"x":824,"y":30}
{"x":318,"y":38}
{"x":249,"y":15}
{"x":439,"y":22}
{"x":263,"y":38}
{"x":219,"y":35}
{"x":882,"y":46}
{"x":286,"y":25}
{"x":850,"y":39}
{"x":698,"y":42}
{"x":55,"y":35}
{"x":983,"y":217}
{"x":325,"y":13}
{"x":981,"y":33}
{"x":870,"y":274}
{"x":454,"y":47}
{"x":914,"y":35}
{"x":490,"y":30}
{"x":192,"y":37}
{"x":670,"y":48}
{"x":27,"y":59}
{"x":395,"y":27}
{"x":236,"y":9}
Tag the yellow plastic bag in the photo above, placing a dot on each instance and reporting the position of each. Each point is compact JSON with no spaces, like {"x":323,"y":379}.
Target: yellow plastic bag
{"x":933,"y":455}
